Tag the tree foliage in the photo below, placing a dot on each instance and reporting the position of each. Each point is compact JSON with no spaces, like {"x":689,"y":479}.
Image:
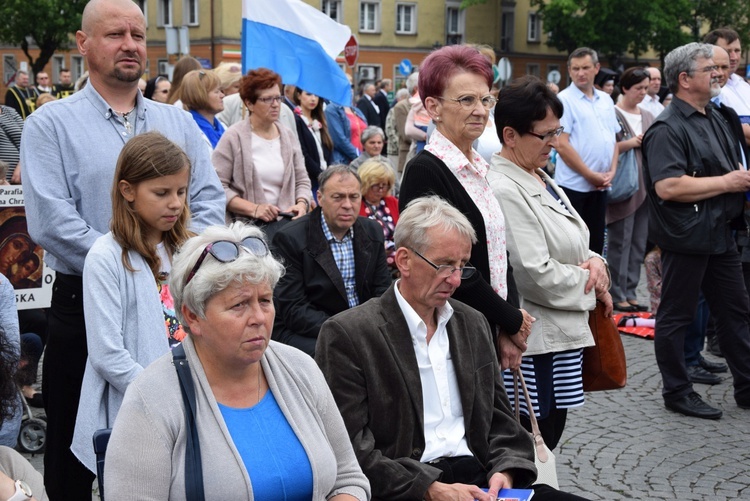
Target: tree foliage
{"x":48,"y":24}
{"x":619,"y":27}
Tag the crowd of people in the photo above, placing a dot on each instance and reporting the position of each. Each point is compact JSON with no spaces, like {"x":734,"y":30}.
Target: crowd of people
{"x":251,"y":282}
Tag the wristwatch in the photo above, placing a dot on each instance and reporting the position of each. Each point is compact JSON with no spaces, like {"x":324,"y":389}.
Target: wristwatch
{"x":23,"y":492}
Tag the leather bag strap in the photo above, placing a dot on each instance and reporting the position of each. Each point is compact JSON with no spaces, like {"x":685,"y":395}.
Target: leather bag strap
{"x":541,"y":450}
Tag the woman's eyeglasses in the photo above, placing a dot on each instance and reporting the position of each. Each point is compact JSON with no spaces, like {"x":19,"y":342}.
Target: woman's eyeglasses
{"x":445,"y":270}
{"x":270,"y":100}
{"x":548,"y":136}
{"x":225,"y":251}
{"x":470,"y":102}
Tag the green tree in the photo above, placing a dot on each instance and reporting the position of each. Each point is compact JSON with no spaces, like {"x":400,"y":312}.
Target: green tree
{"x":48,"y":24}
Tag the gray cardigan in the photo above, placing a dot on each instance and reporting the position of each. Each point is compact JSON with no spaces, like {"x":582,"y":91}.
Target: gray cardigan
{"x":125,"y":332}
{"x":233,"y":161}
{"x":146,"y":453}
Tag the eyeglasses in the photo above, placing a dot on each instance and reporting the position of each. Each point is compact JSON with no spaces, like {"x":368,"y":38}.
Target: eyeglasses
{"x":445,"y":270}
{"x":225,"y":251}
{"x":470,"y":102}
{"x":548,"y":136}
{"x":381,"y":186}
{"x":707,"y":69}
{"x":269,"y":100}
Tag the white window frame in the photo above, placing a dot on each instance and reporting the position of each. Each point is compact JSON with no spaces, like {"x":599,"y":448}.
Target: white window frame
{"x":460,"y":26}
{"x":377,"y":72}
{"x":534,"y":28}
{"x":375,"y":5}
{"x":164,"y":12}
{"x":400,"y":21}
{"x":326,"y":8}
{"x":534,"y":69}
{"x":10,"y":67}
{"x":187,"y":14}
{"x":58,"y":62}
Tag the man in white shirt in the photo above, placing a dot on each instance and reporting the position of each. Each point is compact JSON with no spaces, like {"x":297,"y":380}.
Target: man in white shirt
{"x":650,"y":101}
{"x":415,"y":376}
{"x":736,"y":93}
{"x":587,"y":148}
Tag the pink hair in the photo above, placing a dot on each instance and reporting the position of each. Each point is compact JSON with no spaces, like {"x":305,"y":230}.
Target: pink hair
{"x":445,"y":62}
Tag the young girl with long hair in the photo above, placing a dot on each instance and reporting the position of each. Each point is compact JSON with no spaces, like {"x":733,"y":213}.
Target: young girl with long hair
{"x":126,"y":300}
{"x":312,"y":129}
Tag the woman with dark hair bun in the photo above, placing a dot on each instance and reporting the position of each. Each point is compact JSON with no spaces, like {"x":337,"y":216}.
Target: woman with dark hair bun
{"x":559,"y":279}
{"x":259,"y":160}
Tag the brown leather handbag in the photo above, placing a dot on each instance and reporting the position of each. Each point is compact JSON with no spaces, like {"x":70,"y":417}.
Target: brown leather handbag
{"x":604,"y":365}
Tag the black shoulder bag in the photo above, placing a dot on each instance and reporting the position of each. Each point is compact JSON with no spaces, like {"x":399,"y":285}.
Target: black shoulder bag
{"x":193,"y":467}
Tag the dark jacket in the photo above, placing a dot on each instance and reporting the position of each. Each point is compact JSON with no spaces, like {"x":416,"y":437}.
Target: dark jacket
{"x":371,"y":115}
{"x":368,"y":359}
{"x":312,"y":288}
{"x":425,"y":174}
{"x":382,"y":101}
{"x":310,"y":151}
{"x":675,"y":145}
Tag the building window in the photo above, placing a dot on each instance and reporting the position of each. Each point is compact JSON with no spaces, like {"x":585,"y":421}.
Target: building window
{"x":76,"y":67}
{"x":454,"y":24}
{"x":406,"y":18}
{"x":332,"y":8}
{"x":58,"y":63}
{"x":533,"y":69}
{"x":191,"y":12}
{"x":9,"y":67}
{"x":506,"y":33}
{"x":165,"y":13}
{"x":369,"y":17}
{"x":533,"y":33}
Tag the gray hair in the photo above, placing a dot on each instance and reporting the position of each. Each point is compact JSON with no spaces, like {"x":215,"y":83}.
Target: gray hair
{"x":411,"y":82}
{"x":371,"y":131}
{"x":332,"y":170}
{"x":402,"y":94}
{"x":425,"y":213}
{"x":215,"y":276}
{"x":583,"y":52}
{"x":682,"y":60}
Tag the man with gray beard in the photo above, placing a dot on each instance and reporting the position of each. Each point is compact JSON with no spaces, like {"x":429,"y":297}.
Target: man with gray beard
{"x":696,"y":185}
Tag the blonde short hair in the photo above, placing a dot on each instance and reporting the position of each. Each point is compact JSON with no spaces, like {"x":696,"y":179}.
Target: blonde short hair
{"x":374,"y":171}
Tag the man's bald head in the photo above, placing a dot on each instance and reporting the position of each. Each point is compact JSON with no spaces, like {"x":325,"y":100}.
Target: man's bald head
{"x":96,"y":9}
{"x":721,"y":59}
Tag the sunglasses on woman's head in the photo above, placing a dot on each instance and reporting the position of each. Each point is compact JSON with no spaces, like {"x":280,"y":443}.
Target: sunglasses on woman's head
{"x":226,"y":251}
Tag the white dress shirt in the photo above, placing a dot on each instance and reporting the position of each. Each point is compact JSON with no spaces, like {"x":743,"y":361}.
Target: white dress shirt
{"x":444,"y":432}
{"x":652,"y":105}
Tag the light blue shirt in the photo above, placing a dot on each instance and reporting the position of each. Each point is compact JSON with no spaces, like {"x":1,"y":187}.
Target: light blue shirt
{"x":592,"y":125}
{"x":69,"y":150}
{"x":343,"y":255}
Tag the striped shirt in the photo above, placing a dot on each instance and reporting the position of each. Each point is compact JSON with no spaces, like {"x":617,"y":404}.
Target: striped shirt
{"x":11,"y":126}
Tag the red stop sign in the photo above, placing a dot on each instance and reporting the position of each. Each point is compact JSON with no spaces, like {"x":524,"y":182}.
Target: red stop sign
{"x":351,"y":51}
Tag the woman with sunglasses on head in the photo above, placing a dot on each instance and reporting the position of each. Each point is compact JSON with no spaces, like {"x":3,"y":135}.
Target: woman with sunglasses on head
{"x":454,"y":86}
{"x":259,"y":160}
{"x":267,"y":425}
{"x":627,"y":221}
{"x":559,"y":279}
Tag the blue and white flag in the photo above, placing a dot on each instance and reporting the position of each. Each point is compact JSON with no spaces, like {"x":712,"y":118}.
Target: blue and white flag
{"x":298,"y":42}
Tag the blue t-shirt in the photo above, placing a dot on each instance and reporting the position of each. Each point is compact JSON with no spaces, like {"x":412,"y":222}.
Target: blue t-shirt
{"x":277,"y":463}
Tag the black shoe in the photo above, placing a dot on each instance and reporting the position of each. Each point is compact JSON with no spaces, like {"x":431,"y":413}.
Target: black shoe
{"x":693,"y":405}
{"x":712,"y":366}
{"x":625,"y":309}
{"x":712,"y":346}
{"x":697,"y":374}
{"x":743,"y":405}
{"x":639,"y":307}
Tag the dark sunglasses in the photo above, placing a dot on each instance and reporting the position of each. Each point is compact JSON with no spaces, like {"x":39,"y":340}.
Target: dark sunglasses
{"x":225,"y":251}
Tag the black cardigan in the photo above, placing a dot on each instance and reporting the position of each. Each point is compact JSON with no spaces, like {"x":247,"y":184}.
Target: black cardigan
{"x":426,"y":174}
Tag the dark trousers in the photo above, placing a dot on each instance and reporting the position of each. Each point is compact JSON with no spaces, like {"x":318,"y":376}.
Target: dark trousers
{"x":65,"y":477}
{"x":592,"y":207}
{"x":551,"y":427}
{"x":467,"y":470}
{"x":695,"y":337}
{"x":719,"y":276}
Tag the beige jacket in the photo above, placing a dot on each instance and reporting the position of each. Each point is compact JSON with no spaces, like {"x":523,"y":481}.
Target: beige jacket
{"x":546,"y":244}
